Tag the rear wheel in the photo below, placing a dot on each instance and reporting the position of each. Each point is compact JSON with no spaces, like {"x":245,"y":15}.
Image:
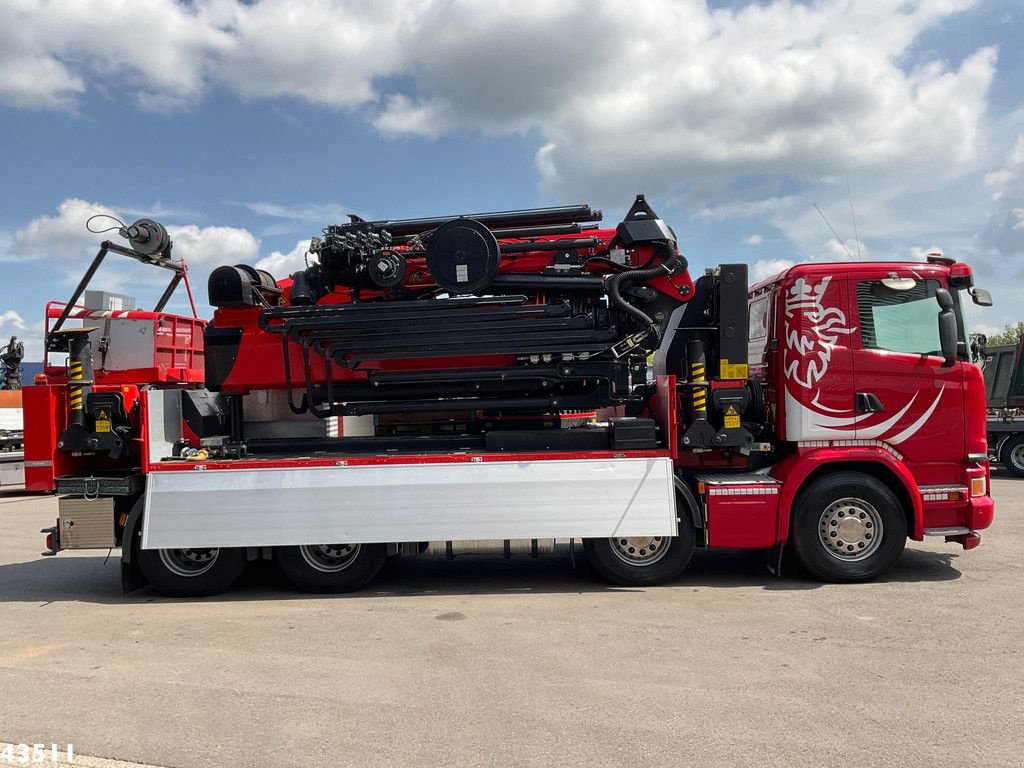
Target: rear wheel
{"x":1011,"y":455}
{"x":848,"y":527}
{"x":326,"y":568}
{"x":642,"y":561}
{"x":191,"y":572}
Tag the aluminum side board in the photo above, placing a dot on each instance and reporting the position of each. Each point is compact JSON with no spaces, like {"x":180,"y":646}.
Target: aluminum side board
{"x":410,"y":502}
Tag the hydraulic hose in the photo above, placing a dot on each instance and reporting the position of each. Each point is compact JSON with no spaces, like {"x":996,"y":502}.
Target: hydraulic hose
{"x":615,"y":283}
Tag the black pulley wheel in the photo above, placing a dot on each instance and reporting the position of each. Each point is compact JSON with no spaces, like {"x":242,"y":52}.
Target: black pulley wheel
{"x":387,"y":269}
{"x":463,"y":256}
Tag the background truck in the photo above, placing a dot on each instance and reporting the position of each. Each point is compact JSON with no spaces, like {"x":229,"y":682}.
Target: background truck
{"x":1004,"y":388}
{"x":516,"y":381}
{"x":12,"y":464}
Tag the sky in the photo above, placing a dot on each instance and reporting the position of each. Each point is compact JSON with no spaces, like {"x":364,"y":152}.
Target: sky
{"x":247,"y":127}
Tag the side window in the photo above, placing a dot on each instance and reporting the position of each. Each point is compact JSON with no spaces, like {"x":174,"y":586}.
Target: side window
{"x":899,"y":321}
{"x":757,"y":328}
{"x":757,"y":318}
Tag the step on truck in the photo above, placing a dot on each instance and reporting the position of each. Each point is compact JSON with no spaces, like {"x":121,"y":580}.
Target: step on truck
{"x":515,"y":382}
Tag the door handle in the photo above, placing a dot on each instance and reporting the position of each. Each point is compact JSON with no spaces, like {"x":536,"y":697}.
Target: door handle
{"x":868,"y":402}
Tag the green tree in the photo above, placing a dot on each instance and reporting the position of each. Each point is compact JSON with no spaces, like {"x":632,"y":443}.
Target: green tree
{"x":1011,"y":335}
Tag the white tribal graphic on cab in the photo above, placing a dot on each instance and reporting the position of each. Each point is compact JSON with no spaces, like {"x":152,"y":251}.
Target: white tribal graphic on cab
{"x":812,"y":331}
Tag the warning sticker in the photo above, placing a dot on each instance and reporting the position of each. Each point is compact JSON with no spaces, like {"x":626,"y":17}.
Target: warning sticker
{"x":732,"y":422}
{"x":102,"y":420}
{"x":727,"y":370}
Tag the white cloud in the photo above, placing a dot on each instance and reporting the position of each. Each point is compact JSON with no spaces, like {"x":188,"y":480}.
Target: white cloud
{"x":50,"y":51}
{"x":753,"y":240}
{"x":11,"y":319}
{"x":988,"y":330}
{"x":326,"y":53}
{"x":745,"y":209}
{"x":848,"y":250}
{"x":213,"y":246}
{"x":62,"y":236}
{"x":283,"y":264}
{"x":676,"y":91}
{"x":307,"y":213}
{"x":400,"y":116}
{"x":765,"y":268}
{"x":1003,"y":235}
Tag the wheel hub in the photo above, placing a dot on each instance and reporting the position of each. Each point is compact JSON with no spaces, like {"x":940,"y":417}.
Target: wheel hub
{"x":1017,"y":456}
{"x":640,"y":550}
{"x":188,"y":562}
{"x":329,"y":558}
{"x":850,"y":529}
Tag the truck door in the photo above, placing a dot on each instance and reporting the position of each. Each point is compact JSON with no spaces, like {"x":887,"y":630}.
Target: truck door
{"x":814,"y":361}
{"x":905,"y":395}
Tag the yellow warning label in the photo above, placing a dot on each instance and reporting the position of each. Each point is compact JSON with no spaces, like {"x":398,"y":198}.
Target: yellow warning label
{"x":732,"y":422}
{"x":727,"y":370}
{"x":102,"y":420}
{"x":731,"y":411}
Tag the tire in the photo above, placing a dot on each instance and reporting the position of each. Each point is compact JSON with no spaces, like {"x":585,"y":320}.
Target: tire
{"x":191,"y":572}
{"x":612,"y":558}
{"x":854,"y":505}
{"x":1011,"y":455}
{"x":331,"y":568}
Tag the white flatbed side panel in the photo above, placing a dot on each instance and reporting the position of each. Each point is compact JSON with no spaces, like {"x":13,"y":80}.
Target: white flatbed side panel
{"x":410,"y":502}
{"x":12,"y":419}
{"x":12,"y":468}
{"x":164,"y":422}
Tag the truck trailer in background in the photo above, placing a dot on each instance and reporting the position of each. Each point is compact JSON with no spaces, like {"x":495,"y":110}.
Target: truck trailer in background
{"x":12,"y":460}
{"x":12,"y":465}
{"x":530,"y":379}
{"x":1004,"y":388}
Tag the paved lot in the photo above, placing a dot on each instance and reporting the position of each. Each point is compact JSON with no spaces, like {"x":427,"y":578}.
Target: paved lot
{"x":486,"y":662}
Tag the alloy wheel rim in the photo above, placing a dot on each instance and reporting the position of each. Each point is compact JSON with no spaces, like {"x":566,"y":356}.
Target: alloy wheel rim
{"x":329,"y":558}
{"x":1017,"y":456}
{"x":640,"y":550}
{"x":188,"y":563}
{"x":850,"y":529}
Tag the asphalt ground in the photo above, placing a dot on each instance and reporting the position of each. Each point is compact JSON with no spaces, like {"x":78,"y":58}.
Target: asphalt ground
{"x":521,"y":662}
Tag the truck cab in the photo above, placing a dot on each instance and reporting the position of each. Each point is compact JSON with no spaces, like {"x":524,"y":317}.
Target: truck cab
{"x":866,"y":368}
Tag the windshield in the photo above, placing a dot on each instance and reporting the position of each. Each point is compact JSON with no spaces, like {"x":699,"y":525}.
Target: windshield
{"x":902,"y":321}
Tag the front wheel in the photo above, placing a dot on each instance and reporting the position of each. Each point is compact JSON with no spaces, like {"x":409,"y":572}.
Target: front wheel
{"x":1011,"y":455}
{"x":330,"y":568}
{"x":848,"y":527}
{"x":191,"y":572}
{"x":642,"y":561}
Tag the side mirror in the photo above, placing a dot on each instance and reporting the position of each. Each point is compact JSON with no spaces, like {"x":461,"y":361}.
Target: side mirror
{"x":947,"y":326}
{"x":981,"y":297}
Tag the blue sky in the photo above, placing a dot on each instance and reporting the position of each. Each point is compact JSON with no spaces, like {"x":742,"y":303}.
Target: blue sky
{"x":247,"y":127}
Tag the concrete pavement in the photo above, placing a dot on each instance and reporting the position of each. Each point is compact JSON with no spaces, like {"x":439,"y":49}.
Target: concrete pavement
{"x":487,"y":662}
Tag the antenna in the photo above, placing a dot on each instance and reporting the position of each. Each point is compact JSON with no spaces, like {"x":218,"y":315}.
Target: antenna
{"x":853,"y":216}
{"x":838,"y":238}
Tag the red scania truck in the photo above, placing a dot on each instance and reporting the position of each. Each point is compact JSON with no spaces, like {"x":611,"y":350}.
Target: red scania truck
{"x":517,"y":380}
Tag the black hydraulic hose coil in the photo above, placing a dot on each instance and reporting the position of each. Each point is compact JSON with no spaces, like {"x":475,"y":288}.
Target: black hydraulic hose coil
{"x":615,"y":283}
